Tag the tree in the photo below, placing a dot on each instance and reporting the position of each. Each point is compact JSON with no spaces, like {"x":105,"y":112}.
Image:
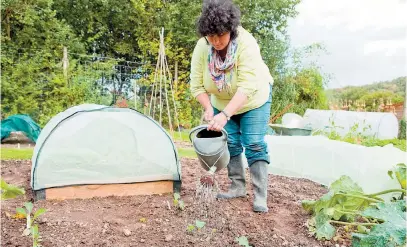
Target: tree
{"x":371,"y":94}
{"x":33,"y":40}
{"x":300,"y":84}
{"x":128,"y":32}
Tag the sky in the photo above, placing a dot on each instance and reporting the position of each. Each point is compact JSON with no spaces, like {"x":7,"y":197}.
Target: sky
{"x":365,"y":40}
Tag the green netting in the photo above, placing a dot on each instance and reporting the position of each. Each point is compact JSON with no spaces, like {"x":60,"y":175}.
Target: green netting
{"x":20,"y":122}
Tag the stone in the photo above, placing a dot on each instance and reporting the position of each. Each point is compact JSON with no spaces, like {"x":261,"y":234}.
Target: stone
{"x":168,"y":238}
{"x":126,"y":232}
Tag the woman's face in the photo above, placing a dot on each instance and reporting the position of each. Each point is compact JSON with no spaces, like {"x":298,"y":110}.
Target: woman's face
{"x":219,"y":42}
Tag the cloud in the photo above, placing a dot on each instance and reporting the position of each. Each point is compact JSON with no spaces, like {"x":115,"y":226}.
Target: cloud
{"x":366,"y":39}
{"x":388,"y":47}
{"x":354,"y":14}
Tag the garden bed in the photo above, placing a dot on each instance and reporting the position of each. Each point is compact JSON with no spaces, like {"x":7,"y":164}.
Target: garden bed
{"x":155,"y":221}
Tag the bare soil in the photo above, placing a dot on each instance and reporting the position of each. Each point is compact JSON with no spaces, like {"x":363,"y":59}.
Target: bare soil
{"x":154,"y":221}
{"x":183,"y":144}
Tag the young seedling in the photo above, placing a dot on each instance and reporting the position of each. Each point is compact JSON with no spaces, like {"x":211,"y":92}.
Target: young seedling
{"x":29,"y":215}
{"x":36,"y":236}
{"x":177,"y":202}
{"x":190,"y":228}
{"x":243,"y":241}
{"x":198,"y":224}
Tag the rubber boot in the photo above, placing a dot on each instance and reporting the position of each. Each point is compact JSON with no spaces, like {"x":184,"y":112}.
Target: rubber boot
{"x":236,"y":173}
{"x":259,"y":175}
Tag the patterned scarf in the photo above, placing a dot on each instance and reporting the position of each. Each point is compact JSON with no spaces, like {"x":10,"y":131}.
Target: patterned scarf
{"x":217,"y":67}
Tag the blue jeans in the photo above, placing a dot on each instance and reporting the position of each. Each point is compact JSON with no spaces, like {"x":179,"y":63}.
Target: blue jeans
{"x":248,"y":130}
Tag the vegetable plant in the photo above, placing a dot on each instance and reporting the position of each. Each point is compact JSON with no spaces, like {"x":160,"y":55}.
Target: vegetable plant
{"x":372,"y":221}
{"x":198,"y":224}
{"x":30,"y":215}
{"x":358,"y":137}
{"x":243,"y":241}
{"x":9,"y":191}
{"x":36,"y":236}
{"x":178,"y":203}
{"x":399,"y":171}
{"x":390,"y":229}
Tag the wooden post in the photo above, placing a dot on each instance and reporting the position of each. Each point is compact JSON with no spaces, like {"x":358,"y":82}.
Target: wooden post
{"x":65,"y":64}
{"x":405,"y":101}
{"x":176,"y":76}
{"x":161,"y":74}
{"x":135,"y":94}
{"x":176,"y":71}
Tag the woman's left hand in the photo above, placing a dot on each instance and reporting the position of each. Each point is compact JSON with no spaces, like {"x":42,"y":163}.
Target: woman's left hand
{"x":218,"y":122}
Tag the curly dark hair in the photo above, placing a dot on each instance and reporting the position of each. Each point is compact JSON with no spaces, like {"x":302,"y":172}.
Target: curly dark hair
{"x":219,"y":16}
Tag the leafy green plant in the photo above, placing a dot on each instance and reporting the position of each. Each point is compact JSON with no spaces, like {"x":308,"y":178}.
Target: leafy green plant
{"x":402,"y":131}
{"x":30,"y":215}
{"x":190,"y":227}
{"x":397,"y":143}
{"x":9,"y":191}
{"x":354,"y":136}
{"x":342,"y":202}
{"x":178,"y":203}
{"x":330,"y":131}
{"x":346,"y":204}
{"x":36,"y":236}
{"x":400,"y":172}
{"x":392,"y":232}
{"x":243,"y":241}
{"x":358,"y":137}
{"x":198,"y":225}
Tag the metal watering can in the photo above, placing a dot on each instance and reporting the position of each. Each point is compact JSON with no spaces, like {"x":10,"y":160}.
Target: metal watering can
{"x":211,"y":148}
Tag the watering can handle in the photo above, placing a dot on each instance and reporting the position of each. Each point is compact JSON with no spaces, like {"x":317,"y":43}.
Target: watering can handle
{"x":204,"y":127}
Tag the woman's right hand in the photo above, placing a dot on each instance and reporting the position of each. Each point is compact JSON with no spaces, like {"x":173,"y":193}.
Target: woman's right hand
{"x":208,"y":115}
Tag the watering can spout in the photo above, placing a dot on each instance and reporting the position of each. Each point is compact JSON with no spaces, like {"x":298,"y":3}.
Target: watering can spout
{"x":210,"y":147}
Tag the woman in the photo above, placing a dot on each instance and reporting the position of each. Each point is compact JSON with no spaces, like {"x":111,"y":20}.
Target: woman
{"x":227,"y":64}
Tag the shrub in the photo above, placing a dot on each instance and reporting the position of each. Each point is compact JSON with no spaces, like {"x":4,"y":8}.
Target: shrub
{"x":402,"y":131}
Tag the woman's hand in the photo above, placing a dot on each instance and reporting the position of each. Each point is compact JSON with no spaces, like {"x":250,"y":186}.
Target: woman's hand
{"x":208,"y":115}
{"x":218,"y":122}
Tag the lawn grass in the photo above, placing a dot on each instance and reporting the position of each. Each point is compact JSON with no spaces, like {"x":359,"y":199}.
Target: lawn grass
{"x":187,"y":152}
{"x":184,"y":137}
{"x":26,"y":153}
{"x":180,"y":136}
{"x":16,"y":154}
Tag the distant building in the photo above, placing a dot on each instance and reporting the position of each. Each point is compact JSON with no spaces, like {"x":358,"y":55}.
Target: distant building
{"x":396,"y":108}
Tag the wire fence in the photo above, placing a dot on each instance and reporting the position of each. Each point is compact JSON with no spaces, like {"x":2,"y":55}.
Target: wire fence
{"x":115,"y":78}
{"x":113,"y":81}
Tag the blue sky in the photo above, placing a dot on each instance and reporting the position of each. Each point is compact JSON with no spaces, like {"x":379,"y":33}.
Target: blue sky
{"x":366,"y":40}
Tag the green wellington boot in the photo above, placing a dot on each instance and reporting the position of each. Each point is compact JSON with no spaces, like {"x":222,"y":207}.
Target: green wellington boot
{"x":236,"y":173}
{"x":259,"y":175}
